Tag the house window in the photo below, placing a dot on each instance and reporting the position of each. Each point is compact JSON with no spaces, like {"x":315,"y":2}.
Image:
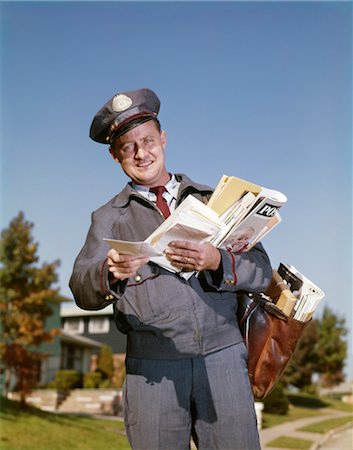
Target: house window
{"x":74,"y":326}
{"x":71,"y":357}
{"x":98,"y":325}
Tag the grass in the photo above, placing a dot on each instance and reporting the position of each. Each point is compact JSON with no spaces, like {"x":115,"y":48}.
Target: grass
{"x":327,"y":425}
{"x":338,"y":404}
{"x":302,"y":405}
{"x":294,"y":413}
{"x":288,"y":442}
{"x":32,"y":429}
{"x":305,"y":405}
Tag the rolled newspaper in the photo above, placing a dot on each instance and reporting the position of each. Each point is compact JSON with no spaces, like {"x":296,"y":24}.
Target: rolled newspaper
{"x":281,"y":294}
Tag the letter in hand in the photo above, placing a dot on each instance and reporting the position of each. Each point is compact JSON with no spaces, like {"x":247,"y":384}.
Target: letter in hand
{"x":122,"y":266}
{"x":190,"y":256}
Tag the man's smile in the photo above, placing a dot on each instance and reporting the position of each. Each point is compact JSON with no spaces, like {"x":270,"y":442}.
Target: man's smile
{"x":144,"y":164}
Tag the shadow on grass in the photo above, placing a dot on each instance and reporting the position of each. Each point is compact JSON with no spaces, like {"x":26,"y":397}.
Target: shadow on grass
{"x":11,"y":410}
{"x":307,"y":401}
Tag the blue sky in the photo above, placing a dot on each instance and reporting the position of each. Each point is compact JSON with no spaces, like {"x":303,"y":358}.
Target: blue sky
{"x":260,"y":90}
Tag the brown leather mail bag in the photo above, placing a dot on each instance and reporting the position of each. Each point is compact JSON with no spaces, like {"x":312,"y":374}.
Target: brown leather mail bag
{"x":271,"y":338}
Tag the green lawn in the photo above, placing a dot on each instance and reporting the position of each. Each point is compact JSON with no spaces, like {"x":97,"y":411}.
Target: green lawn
{"x":327,"y":425}
{"x":289,"y":442}
{"x":338,"y":404}
{"x":33,"y":429}
{"x":301,"y":406}
{"x":38,"y":430}
{"x":304,"y":405}
{"x":294,"y":413}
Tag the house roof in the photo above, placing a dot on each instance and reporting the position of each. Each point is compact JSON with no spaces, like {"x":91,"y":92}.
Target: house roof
{"x":72,"y":310}
{"x":79,"y":340}
{"x":341,"y":389}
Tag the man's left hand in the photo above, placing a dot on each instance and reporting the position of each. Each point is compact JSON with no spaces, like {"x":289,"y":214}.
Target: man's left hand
{"x":190,"y":256}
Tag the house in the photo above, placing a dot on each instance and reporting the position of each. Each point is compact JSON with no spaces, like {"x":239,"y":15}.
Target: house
{"x":98,"y":325}
{"x":90,"y":327}
{"x":56,"y":354}
{"x":68,"y":350}
{"x":344,"y":391}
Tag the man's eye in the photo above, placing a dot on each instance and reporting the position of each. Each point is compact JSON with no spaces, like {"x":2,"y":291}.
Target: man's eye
{"x":127,"y":148}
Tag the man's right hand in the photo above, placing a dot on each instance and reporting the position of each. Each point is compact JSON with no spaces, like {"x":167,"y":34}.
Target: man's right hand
{"x":122,"y":266}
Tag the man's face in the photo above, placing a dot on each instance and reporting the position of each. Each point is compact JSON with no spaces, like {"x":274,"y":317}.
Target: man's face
{"x":140,"y":152}
{"x":241,"y":239}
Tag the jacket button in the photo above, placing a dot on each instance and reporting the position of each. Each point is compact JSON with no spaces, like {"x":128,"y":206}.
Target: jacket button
{"x":137,"y":278}
{"x":109,"y":297}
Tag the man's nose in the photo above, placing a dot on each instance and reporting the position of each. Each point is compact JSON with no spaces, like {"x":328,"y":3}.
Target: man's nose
{"x":139,"y":151}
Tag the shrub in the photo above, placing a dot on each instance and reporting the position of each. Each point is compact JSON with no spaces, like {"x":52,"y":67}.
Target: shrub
{"x":119,"y":377}
{"x":68,"y":379}
{"x":91,"y":380}
{"x":105,"y":363}
{"x":310,"y":390}
{"x":276,"y":402}
{"x":106,"y":384}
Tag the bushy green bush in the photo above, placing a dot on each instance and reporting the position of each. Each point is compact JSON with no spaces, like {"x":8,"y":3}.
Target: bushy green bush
{"x":105,"y":363}
{"x":91,"y":380}
{"x":106,"y":384}
{"x":119,"y":377}
{"x":68,"y":379}
{"x":276,"y":401}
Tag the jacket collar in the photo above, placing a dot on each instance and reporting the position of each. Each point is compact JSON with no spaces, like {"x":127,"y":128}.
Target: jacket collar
{"x":187,"y":187}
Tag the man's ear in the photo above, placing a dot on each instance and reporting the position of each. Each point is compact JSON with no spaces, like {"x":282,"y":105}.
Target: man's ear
{"x":113,"y":155}
{"x":163,"y":138}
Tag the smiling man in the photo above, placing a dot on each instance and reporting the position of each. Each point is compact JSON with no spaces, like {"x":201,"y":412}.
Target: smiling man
{"x":186,"y":371}
{"x":141,"y":154}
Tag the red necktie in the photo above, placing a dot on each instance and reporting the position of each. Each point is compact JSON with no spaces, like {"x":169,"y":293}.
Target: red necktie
{"x":161,"y":202}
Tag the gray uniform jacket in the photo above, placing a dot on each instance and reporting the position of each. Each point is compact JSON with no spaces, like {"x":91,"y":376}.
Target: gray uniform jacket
{"x":163,"y":315}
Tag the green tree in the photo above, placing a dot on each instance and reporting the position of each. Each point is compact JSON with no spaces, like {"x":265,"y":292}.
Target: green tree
{"x":25,"y":296}
{"x":331,"y":348}
{"x":305,"y":359}
{"x":105,"y":363}
{"x":322,"y":350}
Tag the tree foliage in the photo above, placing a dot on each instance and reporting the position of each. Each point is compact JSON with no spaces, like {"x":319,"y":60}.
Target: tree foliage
{"x":25,"y":295}
{"x":305,"y":359}
{"x":331,"y":348}
{"x":322,"y":350}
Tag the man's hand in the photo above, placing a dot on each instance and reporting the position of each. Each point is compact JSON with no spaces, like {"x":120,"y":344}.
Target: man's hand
{"x":122,"y":267}
{"x":190,"y":256}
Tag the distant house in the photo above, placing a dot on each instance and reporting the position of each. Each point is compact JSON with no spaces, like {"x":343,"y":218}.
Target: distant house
{"x":68,"y":350}
{"x":56,"y":354}
{"x":98,"y":325}
{"x":82,"y":334}
{"x":90,"y":327}
{"x":344,"y":391}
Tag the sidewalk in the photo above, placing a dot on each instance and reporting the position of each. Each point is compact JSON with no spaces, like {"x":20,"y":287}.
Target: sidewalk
{"x":290,"y":429}
{"x":339,"y":439}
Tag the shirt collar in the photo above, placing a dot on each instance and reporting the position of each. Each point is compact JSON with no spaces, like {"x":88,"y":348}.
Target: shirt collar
{"x":172,"y":188}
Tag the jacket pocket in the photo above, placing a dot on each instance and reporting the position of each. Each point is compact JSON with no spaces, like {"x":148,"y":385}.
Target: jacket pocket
{"x":147,"y":297}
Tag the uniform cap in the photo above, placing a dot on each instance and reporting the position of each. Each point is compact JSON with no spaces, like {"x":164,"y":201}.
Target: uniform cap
{"x":123,"y":112}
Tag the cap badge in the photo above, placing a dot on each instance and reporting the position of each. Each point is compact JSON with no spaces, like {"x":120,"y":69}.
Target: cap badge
{"x":121,"y":102}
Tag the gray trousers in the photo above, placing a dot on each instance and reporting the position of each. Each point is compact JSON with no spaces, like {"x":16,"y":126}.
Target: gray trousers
{"x":207,"y":397}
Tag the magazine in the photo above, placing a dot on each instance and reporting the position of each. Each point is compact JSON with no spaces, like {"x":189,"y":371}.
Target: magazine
{"x":248,"y":211}
{"x":308,"y":295}
{"x":238,"y":215}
